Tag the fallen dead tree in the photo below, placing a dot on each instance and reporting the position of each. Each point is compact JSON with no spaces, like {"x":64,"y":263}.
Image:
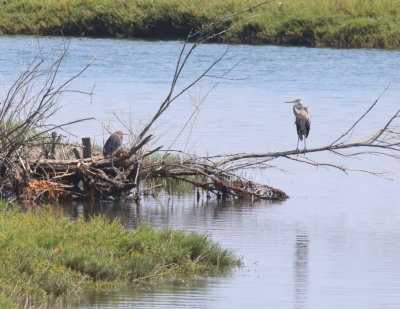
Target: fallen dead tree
{"x":29,"y":170}
{"x":94,"y":178}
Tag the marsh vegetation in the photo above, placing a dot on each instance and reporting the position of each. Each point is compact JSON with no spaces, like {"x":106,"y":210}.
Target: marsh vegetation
{"x":46,"y":257}
{"x":335,"y":23}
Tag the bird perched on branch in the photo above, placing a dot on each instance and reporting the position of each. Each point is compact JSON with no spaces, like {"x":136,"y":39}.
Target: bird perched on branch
{"x":303,"y":120}
{"x":112,"y":144}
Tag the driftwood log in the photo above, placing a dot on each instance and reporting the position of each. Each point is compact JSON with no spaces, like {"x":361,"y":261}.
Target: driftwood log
{"x":95,"y":178}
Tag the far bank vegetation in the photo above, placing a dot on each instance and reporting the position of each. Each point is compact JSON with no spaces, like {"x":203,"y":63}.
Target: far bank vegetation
{"x":332,"y":23}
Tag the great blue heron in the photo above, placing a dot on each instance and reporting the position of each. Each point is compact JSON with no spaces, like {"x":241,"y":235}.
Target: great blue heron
{"x":112,"y":144}
{"x":303,"y":120}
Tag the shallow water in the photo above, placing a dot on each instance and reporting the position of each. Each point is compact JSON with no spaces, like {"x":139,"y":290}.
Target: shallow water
{"x":333,"y":244}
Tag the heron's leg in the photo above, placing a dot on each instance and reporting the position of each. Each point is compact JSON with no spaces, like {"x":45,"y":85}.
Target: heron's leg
{"x":298,"y":140}
{"x":112,"y":161}
{"x":305,"y":144}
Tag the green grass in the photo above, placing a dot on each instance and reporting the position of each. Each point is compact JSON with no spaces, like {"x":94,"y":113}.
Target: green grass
{"x":336,"y":23}
{"x":45,"y":257}
{"x":6,"y":303}
{"x":163,"y":184}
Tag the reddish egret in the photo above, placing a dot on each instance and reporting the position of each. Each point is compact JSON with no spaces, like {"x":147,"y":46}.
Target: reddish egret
{"x":112,"y":145}
{"x":303,"y":120}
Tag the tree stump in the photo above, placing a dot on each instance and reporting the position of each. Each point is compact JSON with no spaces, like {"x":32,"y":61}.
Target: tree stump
{"x":87,"y":147}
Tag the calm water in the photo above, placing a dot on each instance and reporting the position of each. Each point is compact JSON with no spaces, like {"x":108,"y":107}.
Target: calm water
{"x":333,"y":244}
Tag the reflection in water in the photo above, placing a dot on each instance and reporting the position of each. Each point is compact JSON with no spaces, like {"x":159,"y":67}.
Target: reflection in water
{"x":173,"y":294}
{"x":127,"y":213}
{"x":301,"y":270}
{"x":165,"y":210}
{"x":276,"y":264}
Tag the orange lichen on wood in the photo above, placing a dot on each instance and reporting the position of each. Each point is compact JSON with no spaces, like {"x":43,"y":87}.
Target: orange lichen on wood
{"x":47,"y":190}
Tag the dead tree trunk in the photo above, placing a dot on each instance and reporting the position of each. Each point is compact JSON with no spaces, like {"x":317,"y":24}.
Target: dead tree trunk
{"x":87,"y":147}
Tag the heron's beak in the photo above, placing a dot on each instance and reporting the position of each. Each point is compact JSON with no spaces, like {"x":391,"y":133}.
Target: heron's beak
{"x":289,"y":102}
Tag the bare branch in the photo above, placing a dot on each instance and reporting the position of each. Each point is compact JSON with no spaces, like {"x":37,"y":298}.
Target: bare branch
{"x":361,"y":118}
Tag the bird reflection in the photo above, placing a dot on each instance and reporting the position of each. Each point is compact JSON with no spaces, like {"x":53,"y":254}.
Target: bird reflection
{"x":129,"y":216}
{"x":127,"y":213}
{"x":301,"y":270}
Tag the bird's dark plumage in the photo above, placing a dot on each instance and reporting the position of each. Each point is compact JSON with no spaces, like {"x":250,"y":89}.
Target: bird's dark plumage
{"x":303,"y":127}
{"x":113,"y":143}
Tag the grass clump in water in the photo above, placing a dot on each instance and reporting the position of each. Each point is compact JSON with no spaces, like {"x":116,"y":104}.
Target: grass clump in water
{"x":160,"y":184}
{"x":46,"y":256}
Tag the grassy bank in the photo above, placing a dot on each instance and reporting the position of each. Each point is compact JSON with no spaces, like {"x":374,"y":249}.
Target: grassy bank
{"x":45,"y":256}
{"x":337,"y":23}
